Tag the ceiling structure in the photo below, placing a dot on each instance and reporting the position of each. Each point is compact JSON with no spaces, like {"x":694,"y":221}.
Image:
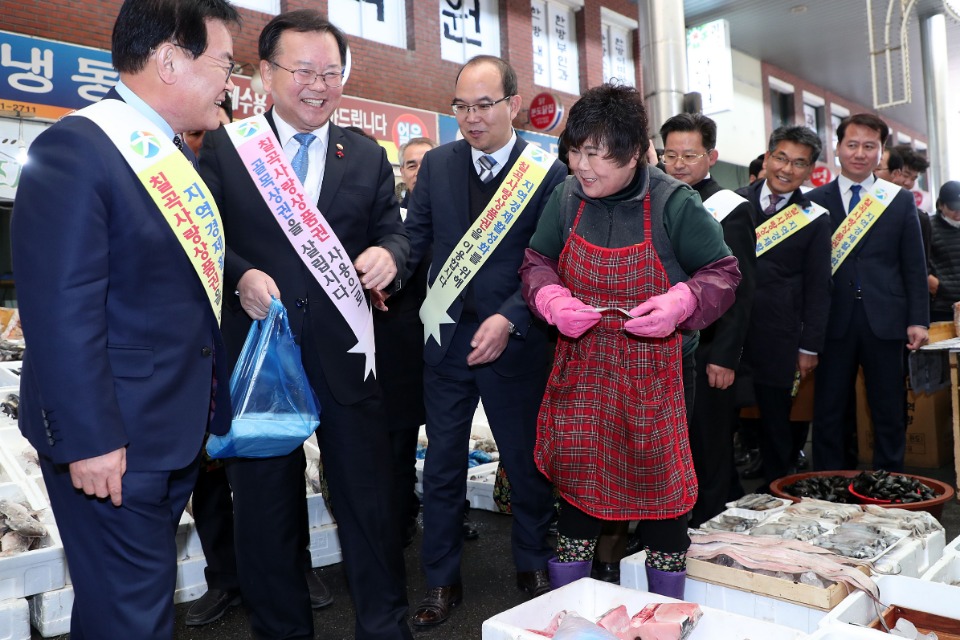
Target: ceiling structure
{"x":826,"y":42}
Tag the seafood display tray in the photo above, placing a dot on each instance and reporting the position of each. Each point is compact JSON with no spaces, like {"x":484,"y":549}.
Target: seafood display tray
{"x":37,"y":570}
{"x":762,"y":515}
{"x":930,"y":597}
{"x":946,"y":570}
{"x":15,"y":619}
{"x":592,"y":598}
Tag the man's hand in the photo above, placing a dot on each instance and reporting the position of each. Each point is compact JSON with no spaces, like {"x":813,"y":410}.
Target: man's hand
{"x":933,"y":283}
{"x":490,"y":340}
{"x":720,"y":377}
{"x":379,"y":299}
{"x":916,"y":337}
{"x":101,"y":476}
{"x":376,"y":267}
{"x":255,"y":289}
{"x":806,"y":362}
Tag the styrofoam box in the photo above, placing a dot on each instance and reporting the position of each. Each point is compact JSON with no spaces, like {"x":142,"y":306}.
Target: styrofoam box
{"x":744,"y":603}
{"x":945,"y":570}
{"x":836,"y":631}
{"x":317,"y":509}
{"x":480,"y":480}
{"x":766,"y":513}
{"x":931,"y":550}
{"x":953,"y":548}
{"x":188,"y":540}
{"x":9,"y":377}
{"x":592,"y":598}
{"x":50,"y":611}
{"x":913,"y":593}
{"x":15,"y":619}
{"x":324,"y":546}
{"x":191,"y":581}
{"x":35,"y":571}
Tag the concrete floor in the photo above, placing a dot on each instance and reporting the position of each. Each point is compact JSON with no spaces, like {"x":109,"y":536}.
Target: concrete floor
{"x":489,"y":583}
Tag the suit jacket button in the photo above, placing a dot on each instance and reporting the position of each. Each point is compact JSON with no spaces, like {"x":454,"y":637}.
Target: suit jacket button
{"x":301,"y":303}
{"x":51,"y":441}
{"x":206,"y":352}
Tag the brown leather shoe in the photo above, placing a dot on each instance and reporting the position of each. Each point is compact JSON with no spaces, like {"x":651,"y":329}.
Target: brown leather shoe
{"x":435,"y":606}
{"x":536,"y":583}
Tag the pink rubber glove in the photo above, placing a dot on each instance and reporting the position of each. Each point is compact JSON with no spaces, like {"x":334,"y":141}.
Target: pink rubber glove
{"x":558,"y":307}
{"x":659,"y":316}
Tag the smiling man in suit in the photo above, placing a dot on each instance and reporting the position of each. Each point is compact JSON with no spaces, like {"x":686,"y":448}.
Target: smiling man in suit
{"x":345,"y":246}
{"x":121,"y":319}
{"x":880,"y":301}
{"x":480,"y":339}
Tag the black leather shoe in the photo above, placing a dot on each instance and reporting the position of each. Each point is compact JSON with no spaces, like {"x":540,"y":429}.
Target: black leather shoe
{"x":536,"y":583}
{"x":320,"y":595}
{"x":606,"y":571}
{"x":211,"y":606}
{"x":469,"y":531}
{"x":435,"y":607}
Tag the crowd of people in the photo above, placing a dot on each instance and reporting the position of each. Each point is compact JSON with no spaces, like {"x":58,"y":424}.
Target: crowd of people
{"x":613,"y":311}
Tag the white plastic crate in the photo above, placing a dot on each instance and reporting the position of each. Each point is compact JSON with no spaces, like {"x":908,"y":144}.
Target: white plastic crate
{"x":35,"y":571}
{"x":953,"y":548}
{"x":745,"y":603}
{"x":10,"y":376}
{"x":592,"y":598}
{"x":317,"y":511}
{"x":913,"y":593}
{"x":191,"y":582}
{"x":946,"y":570}
{"x":15,"y":619}
{"x":480,"y":480}
{"x":188,"y":540}
{"x":50,"y":611}
{"x":324,"y":545}
{"x":836,"y":631}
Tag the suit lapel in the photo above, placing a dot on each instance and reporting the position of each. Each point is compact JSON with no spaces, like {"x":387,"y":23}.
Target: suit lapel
{"x":334,"y":170}
{"x":835,"y":203}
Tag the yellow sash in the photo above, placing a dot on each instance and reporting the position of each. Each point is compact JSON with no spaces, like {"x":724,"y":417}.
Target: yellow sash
{"x":784,"y":224}
{"x":482,"y":239}
{"x":859,"y":221}
{"x":174,"y":186}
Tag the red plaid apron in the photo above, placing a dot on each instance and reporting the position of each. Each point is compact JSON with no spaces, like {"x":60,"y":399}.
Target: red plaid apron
{"x":612,"y":431}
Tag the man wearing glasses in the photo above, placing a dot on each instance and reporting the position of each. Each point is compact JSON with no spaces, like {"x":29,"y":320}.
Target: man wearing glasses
{"x":344,"y":181}
{"x":792,"y":298}
{"x":480,"y":339}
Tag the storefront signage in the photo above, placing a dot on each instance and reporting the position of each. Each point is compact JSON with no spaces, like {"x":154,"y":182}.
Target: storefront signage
{"x":820,"y":176}
{"x":710,"y":65}
{"x":546,"y":111}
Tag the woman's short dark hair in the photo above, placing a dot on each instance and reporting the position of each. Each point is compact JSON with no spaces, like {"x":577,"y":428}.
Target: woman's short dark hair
{"x":613,"y":116}
{"x":301,"y":21}
{"x":143,"y":25}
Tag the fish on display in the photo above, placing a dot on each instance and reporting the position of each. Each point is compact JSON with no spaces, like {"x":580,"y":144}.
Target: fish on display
{"x":758,"y":502}
{"x":728,"y":522}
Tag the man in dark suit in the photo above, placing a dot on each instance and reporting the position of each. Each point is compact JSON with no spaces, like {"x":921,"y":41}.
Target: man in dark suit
{"x":792,"y":297}
{"x":117,"y":384}
{"x":689,"y":150}
{"x":351,"y":181}
{"x":880,"y":301}
{"x":485,"y":344}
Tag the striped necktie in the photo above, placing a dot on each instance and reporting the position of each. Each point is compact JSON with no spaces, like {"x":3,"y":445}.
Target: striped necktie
{"x":487,"y":163}
{"x":772,"y":207}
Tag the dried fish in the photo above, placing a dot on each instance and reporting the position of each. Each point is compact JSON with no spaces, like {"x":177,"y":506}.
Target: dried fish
{"x":727,"y":522}
{"x":824,"y":511}
{"x":857,"y":540}
{"x":12,"y":543}
{"x":758,"y":502}
{"x":19,"y":519}
{"x":790,"y":528}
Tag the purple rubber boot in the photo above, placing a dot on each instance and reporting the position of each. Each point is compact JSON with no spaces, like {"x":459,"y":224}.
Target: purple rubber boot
{"x":563,"y":573}
{"x":666,"y":583}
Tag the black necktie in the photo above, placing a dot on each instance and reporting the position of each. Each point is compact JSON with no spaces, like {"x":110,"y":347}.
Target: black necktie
{"x":177,"y":140}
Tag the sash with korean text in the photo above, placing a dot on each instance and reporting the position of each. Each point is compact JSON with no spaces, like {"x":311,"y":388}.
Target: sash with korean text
{"x":305,"y":228}
{"x":174,"y":186}
{"x":720,"y":204}
{"x":482,"y":239}
{"x":859,"y":221}
{"x":784,"y":224}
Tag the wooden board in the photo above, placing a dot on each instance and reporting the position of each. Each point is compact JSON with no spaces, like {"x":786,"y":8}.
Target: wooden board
{"x":821,"y":598}
{"x":945,"y":628}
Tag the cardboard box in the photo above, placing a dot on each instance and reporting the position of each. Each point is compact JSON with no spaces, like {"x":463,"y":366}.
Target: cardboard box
{"x":592,"y":598}
{"x":929,"y":428}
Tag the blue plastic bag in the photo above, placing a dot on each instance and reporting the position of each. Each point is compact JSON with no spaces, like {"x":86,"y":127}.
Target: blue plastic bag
{"x":274,"y":407}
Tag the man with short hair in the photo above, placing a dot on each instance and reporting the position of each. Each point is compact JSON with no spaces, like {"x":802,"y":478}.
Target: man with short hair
{"x":410,"y":155}
{"x":879,"y":301}
{"x":756,"y":170}
{"x":480,"y":338}
{"x":891,"y":167}
{"x":944,"y":278}
{"x":121,"y":310}
{"x":914,"y":164}
{"x":689,"y":150}
{"x":312,"y":221}
{"x":792,"y":297}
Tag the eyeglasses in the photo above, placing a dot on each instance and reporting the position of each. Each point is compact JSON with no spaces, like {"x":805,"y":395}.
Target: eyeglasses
{"x":306,"y":77}
{"x":782,"y":160}
{"x":228,"y":69}
{"x":688,"y":158}
{"x":482,"y":107}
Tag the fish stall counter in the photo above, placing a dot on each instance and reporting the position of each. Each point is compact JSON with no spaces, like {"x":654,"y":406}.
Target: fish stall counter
{"x":591,"y":599}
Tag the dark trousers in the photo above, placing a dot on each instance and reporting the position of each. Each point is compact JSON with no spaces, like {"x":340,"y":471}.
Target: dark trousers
{"x":270,"y":512}
{"x":213,"y":518}
{"x":882,"y":362}
{"x":123,"y":560}
{"x":668,"y":535}
{"x":711,"y":444}
{"x":776,"y":431}
{"x":403,"y":443}
{"x":452,"y":390}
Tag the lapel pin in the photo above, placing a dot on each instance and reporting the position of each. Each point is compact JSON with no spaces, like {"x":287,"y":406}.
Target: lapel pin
{"x":339,"y":150}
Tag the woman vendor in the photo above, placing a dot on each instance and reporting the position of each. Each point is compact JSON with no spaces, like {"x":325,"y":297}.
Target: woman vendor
{"x":624,"y":257}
